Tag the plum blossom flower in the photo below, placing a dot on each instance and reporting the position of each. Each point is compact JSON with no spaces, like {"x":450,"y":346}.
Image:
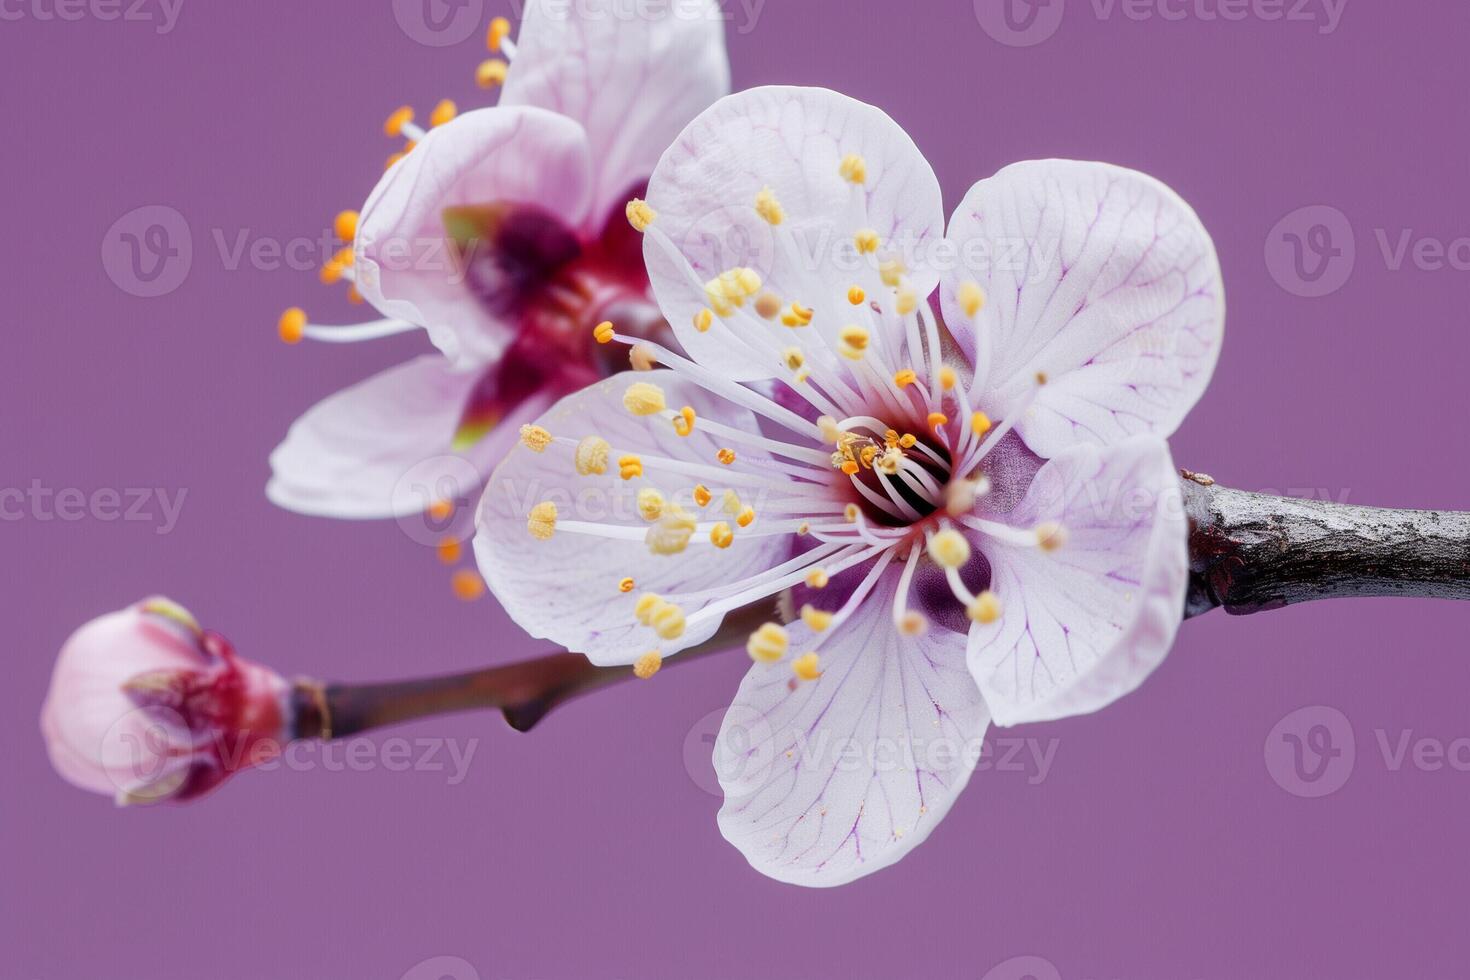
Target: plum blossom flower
{"x":146,"y":706}
{"x":959,"y":512}
{"x":501,"y":234}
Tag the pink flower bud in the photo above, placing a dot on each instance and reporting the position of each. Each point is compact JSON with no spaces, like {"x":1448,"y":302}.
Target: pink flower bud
{"x":146,"y":706}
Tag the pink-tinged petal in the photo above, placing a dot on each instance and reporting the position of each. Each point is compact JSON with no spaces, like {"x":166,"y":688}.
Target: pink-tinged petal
{"x":829,"y":780}
{"x":404,"y":262}
{"x":1084,"y":624}
{"x":632,"y":74}
{"x":386,"y":446}
{"x":791,"y":141}
{"x":1099,"y":277}
{"x":567,"y":589}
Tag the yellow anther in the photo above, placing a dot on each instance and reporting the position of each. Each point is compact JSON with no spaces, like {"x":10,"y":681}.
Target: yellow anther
{"x":640,"y":215}
{"x":643,"y":398}
{"x":491,"y":72}
{"x":854,"y":169}
{"x":746,"y":517}
{"x":980,"y":422}
{"x":444,"y":112}
{"x":670,"y":536}
{"x":936,"y":420}
{"x":684,"y":421}
{"x":726,"y":456}
{"x":815,"y":619}
{"x":971,"y":297}
{"x":642,"y":357}
{"x":804,"y":528}
{"x":868,"y":454}
{"x":702,"y":496}
{"x":851,"y":513}
{"x":949,"y":549}
{"x":849,"y":467}
{"x":891,"y":272}
{"x":721,"y":535}
{"x":467,"y":585}
{"x":905,"y":377}
{"x":768,"y":305}
{"x":807,"y":667}
{"x":768,"y":644}
{"x":645,"y":606}
{"x":603,"y":332}
{"x":831,"y":432}
{"x":647,"y":665}
{"x":590,"y":457}
{"x":890,"y":461}
{"x":449,"y":550}
{"x":331,"y":271}
{"x":345,"y":225}
{"x":907,"y":302}
{"x":731,"y":504}
{"x":650,"y":504}
{"x":663,"y":616}
{"x":959,"y":497}
{"x":1041,"y":377}
{"x":856,"y":296}
{"x":986,"y":608}
{"x":668,"y":621}
{"x":703,"y":320}
{"x":768,"y":207}
{"x":748,"y":280}
{"x":626,"y":585}
{"x":393,"y":125}
{"x":292,"y":325}
{"x":498,"y":32}
{"x":1050,"y":536}
{"x":913,"y":624}
{"x":794,"y":358}
{"x":817,"y":578}
{"x":890,"y":438}
{"x":440,"y":510}
{"x":630,"y":467}
{"x":542,"y":523}
{"x":797,"y":316}
{"x":947,"y":378}
{"x":853,"y":342}
{"x":867,"y":242}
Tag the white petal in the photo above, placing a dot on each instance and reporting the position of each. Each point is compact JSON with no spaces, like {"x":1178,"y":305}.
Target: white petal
{"x":633,"y":74}
{"x":403,"y":261}
{"x":1085,"y":624}
{"x":567,"y":589}
{"x":1100,"y":277}
{"x":844,"y":775}
{"x":370,"y":450}
{"x":792,"y":141}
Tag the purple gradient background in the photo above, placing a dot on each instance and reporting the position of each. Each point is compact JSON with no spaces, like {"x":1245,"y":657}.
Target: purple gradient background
{"x":1158,"y":846}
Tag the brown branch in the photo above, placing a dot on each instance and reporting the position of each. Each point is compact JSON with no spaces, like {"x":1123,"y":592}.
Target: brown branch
{"x":1249,"y":552}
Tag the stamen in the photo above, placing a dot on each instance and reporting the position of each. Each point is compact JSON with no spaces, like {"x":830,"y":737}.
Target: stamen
{"x":345,"y":225}
{"x":604,"y":332}
{"x":449,"y":550}
{"x":630,"y":467}
{"x":496,"y":35}
{"x":1050,"y":536}
{"x":650,"y":504}
{"x":807,"y":667}
{"x":949,"y":549}
{"x":703,"y":320}
{"x":443,"y":113}
{"x":721,"y":536}
{"x":643,"y":398}
{"x":542,"y":522}
{"x":768,"y":644}
{"x":986,"y":608}
{"x":854,"y":169}
{"x":867,"y":242}
{"x":590,"y":457}
{"x":398,"y":121}
{"x":684,"y":421}
{"x":971,"y":298}
{"x":815,"y":619}
{"x":491,"y":73}
{"x":293,"y":328}
{"x":626,"y":585}
{"x":768,"y":207}
{"x":856,"y":296}
{"x":467,"y":585}
{"x":647,"y":665}
{"x":640,"y":215}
